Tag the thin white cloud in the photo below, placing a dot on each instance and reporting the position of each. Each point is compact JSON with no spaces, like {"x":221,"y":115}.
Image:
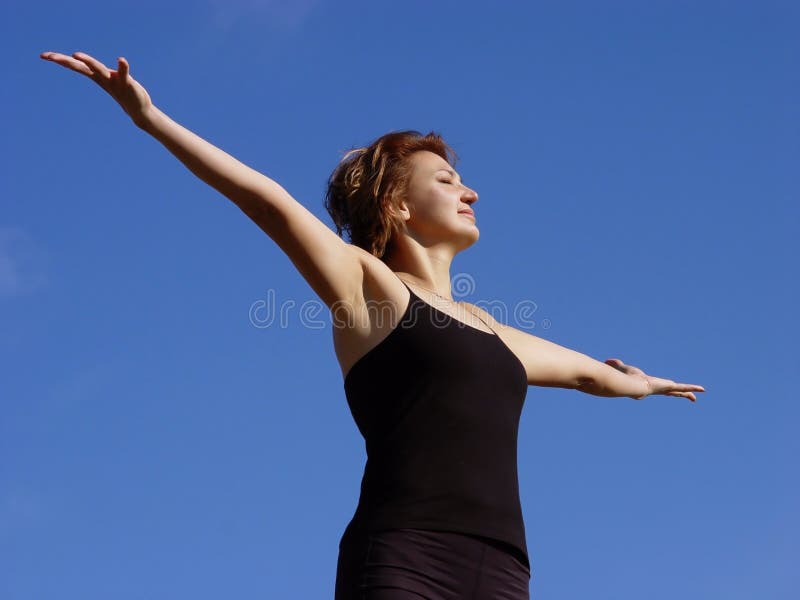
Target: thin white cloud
{"x":281,"y":14}
{"x":22,"y":263}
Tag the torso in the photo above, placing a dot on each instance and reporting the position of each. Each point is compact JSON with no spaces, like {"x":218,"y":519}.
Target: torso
{"x":383,"y":289}
{"x":438,"y":405}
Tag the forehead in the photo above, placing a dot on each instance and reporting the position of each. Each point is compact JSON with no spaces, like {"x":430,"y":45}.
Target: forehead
{"x":429,"y":161}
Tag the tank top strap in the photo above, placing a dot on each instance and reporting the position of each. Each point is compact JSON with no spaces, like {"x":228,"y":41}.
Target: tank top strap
{"x":485,"y":323}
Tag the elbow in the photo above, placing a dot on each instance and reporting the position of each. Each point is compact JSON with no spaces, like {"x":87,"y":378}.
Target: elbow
{"x":260,"y":210}
{"x":585,"y":384}
{"x":594,"y":383}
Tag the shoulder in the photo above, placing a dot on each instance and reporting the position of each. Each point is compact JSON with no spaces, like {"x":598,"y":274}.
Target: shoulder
{"x":496,"y":315}
{"x":546,"y":363}
{"x":381,"y":300}
{"x":518,"y":341}
{"x":487,"y":315}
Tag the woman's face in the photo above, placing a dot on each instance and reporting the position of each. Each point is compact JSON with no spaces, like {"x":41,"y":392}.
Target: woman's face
{"x":437,"y":206}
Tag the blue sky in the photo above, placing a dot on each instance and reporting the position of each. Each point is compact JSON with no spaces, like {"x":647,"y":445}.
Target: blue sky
{"x":637,"y":165}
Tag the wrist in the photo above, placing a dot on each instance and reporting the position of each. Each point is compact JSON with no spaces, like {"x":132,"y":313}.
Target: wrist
{"x":146,"y":118}
{"x":645,"y":389}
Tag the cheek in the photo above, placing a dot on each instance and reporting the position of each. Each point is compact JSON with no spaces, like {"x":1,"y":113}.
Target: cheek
{"x":432,"y":206}
{"x":437,"y":210}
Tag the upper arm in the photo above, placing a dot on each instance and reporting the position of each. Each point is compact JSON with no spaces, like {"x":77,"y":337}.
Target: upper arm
{"x":332,"y":267}
{"x":547,"y":363}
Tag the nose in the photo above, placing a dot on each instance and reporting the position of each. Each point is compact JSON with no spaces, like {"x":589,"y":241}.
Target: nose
{"x":470,"y":196}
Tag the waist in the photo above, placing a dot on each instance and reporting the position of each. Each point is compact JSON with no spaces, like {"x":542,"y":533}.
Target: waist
{"x":511,"y":542}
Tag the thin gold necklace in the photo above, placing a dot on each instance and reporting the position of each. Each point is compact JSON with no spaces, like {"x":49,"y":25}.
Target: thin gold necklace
{"x":456,"y":302}
{"x":438,"y":295}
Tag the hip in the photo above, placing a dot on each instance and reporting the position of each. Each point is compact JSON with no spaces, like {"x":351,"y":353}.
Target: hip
{"x":436,"y":565}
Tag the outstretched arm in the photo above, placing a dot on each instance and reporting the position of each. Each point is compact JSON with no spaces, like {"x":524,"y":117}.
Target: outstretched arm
{"x":332,"y":267}
{"x":551,"y":365}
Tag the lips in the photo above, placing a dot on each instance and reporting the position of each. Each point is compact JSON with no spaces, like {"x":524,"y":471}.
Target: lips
{"x":467,"y":212}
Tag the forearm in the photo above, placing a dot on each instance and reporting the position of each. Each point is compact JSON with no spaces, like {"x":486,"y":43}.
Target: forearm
{"x":608,"y":382}
{"x":246,"y":187}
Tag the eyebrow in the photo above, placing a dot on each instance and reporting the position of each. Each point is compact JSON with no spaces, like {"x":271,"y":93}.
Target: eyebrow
{"x":453,"y":173}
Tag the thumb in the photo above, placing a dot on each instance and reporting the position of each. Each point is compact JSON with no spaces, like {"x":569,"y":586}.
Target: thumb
{"x":124,"y":68}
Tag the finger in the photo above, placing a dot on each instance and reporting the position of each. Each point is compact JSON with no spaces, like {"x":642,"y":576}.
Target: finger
{"x":95,"y":65}
{"x":66,"y":61}
{"x":124,"y":68}
{"x":690,"y":387}
{"x":617,"y":364}
{"x":621,"y":366}
{"x":688,"y":395}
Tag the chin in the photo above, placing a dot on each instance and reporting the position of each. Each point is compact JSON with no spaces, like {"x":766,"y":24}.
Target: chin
{"x":469,"y":239}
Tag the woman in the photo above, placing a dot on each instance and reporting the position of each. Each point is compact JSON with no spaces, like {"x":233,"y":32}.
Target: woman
{"x":435,"y":386}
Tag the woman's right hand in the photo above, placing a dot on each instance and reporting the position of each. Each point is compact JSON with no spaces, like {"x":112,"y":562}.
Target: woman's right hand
{"x":130,"y":95}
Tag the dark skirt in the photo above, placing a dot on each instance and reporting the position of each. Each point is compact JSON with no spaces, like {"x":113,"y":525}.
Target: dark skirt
{"x":414,"y":564}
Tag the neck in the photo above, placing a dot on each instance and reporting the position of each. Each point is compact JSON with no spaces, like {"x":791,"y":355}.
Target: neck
{"x":429,"y":268}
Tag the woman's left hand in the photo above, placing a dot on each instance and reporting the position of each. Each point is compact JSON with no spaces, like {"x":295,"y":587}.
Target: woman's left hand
{"x":119,"y":84}
{"x":657,"y":385}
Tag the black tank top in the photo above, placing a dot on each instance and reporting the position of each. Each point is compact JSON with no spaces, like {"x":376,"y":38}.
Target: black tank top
{"x":438,"y":403}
